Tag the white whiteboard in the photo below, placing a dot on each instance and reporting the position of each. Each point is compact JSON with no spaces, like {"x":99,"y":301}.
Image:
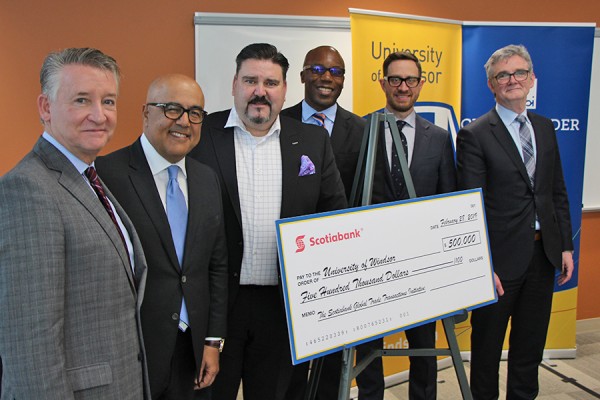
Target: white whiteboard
{"x":591,"y":175}
{"x":220,"y":37}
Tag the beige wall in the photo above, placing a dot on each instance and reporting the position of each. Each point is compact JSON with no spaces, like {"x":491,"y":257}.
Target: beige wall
{"x":149,"y":38}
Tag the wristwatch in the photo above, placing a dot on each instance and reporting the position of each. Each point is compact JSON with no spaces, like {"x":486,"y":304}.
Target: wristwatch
{"x":216,"y":343}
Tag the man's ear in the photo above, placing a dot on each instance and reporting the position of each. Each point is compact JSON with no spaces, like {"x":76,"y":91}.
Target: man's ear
{"x":44,"y":107}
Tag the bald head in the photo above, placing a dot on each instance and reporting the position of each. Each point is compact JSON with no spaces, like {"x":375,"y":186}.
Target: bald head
{"x":167,"y":125}
{"x":322,"y":91}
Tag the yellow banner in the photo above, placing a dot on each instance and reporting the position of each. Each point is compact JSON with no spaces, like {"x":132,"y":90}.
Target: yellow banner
{"x":437,"y":45}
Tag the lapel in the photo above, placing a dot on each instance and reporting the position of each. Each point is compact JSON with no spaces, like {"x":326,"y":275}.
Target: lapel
{"x":541,"y":144}
{"x":145,"y":187}
{"x":196,"y":202}
{"x":74,"y":183}
{"x":421,"y":147}
{"x":507,"y":143}
{"x":225,"y":151}
{"x":339,"y":134}
{"x":291,"y":150}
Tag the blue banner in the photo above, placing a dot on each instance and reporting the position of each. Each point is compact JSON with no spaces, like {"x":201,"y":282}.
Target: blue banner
{"x":562,"y":62}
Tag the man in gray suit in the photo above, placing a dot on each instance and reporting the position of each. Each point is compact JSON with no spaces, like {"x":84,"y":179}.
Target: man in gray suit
{"x":72,"y":271}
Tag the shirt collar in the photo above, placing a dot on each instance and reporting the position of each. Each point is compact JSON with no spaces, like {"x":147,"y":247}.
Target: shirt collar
{"x":81,"y":166}
{"x":308,"y":111}
{"x":156,"y":162}
{"x":508,"y":116}
{"x":410,"y":120}
{"x":234,"y":121}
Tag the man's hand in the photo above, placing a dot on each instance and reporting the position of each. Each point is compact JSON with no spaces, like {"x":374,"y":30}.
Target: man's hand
{"x":209,"y":368}
{"x":567,"y":268}
{"x":498,"y":284}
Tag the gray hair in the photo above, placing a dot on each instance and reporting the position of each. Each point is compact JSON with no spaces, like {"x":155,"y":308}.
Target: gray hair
{"x":56,"y":61}
{"x":507,"y":52}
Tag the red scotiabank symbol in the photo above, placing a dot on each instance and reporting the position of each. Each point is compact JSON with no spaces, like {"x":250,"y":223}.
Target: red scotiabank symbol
{"x":300,"y":243}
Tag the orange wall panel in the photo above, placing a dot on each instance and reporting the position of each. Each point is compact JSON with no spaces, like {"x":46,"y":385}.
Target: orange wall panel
{"x":152,"y":38}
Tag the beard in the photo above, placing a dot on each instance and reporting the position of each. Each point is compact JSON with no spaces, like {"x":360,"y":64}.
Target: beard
{"x":259,"y":119}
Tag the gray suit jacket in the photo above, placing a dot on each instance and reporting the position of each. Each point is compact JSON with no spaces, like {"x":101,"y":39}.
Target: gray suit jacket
{"x":432,"y":167}
{"x":69,"y":307}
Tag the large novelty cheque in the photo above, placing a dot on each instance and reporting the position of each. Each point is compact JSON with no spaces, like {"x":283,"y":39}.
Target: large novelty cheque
{"x":353,"y":275}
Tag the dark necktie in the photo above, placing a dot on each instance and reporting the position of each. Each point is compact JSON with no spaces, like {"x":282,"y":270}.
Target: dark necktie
{"x":527,"y":147}
{"x":97,"y":186}
{"x":177,"y":214}
{"x":396,"y":168}
{"x":320,"y":118}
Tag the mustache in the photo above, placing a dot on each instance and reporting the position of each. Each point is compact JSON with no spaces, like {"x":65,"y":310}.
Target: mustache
{"x":260,"y":100}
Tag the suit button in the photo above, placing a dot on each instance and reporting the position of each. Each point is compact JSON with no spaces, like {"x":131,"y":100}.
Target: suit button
{"x":183,"y":279}
{"x":175,"y":317}
{"x":533,"y":225}
{"x":235,"y":274}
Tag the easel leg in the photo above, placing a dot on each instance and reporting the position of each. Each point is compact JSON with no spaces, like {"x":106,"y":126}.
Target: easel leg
{"x":459,"y":367}
{"x":346,"y":378}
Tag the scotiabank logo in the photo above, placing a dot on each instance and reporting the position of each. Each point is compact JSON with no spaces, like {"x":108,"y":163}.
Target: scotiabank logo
{"x":300,"y":243}
{"x":328,"y":238}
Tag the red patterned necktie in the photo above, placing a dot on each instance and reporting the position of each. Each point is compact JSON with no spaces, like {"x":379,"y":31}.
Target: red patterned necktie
{"x":97,"y":186}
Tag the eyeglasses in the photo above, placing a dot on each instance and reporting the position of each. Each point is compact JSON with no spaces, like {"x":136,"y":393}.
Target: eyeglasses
{"x":395,"y":81}
{"x":174,"y":111}
{"x":320,"y":70}
{"x":504,"y":77}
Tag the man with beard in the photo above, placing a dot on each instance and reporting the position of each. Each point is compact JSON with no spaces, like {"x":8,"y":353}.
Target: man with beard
{"x":431,"y":164}
{"x":270,"y":167}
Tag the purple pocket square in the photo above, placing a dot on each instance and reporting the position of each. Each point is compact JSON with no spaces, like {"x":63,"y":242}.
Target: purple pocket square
{"x":306,"y":166}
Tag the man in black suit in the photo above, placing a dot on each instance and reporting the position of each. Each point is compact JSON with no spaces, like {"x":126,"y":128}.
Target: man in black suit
{"x":184,"y":310}
{"x":431,"y":164}
{"x":270,"y":167}
{"x":323,"y":78}
{"x":512,"y":154}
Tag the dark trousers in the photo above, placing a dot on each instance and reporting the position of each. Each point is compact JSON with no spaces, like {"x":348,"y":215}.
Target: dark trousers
{"x":180,"y":384}
{"x":528,"y":302}
{"x":422,"y":378}
{"x":256,"y":350}
{"x":371,"y":385}
{"x":370,"y":381}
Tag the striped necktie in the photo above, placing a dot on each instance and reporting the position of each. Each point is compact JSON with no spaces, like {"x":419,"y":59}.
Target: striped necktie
{"x":320,"y":118}
{"x":527,"y":147}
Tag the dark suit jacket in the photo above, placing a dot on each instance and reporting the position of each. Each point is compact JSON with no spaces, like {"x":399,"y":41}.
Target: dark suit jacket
{"x":69,"y":303}
{"x":202,"y":280}
{"x":488,"y":158}
{"x":432,"y":165}
{"x":346,"y":138}
{"x":322,"y":191}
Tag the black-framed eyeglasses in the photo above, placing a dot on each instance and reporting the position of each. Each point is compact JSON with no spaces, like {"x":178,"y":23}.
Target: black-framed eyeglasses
{"x":395,"y":81}
{"x":174,"y":111}
{"x":320,"y":70}
{"x":504,"y":77}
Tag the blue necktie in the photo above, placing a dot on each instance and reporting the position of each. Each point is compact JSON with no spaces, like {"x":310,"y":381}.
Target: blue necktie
{"x":177,"y":215}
